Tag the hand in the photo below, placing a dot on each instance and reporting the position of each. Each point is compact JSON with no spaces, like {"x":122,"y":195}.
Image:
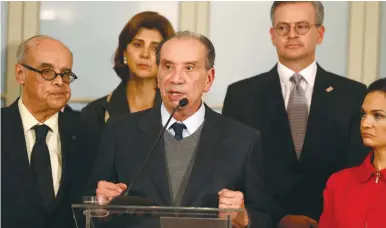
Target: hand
{"x":109,"y":189}
{"x":297,"y":221}
{"x":235,"y":200}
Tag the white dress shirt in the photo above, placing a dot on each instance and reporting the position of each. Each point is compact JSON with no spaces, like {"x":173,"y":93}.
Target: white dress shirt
{"x":52,"y":140}
{"x":192,"y":123}
{"x":308,"y":73}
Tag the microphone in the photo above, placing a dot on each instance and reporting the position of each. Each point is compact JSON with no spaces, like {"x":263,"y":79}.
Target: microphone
{"x":124,"y":198}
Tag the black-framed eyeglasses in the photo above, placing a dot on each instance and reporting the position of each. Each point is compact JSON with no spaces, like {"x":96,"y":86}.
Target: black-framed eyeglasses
{"x":49,"y":74}
{"x":301,"y":28}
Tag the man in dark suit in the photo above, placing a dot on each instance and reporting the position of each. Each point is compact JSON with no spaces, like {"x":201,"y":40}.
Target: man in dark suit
{"x":40,"y":140}
{"x":203,"y":160}
{"x":308,"y":117}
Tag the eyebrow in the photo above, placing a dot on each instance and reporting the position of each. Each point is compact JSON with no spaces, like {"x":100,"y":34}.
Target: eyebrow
{"x":44,"y":64}
{"x":378,"y":110}
{"x":140,"y":40}
{"x":185,"y":63}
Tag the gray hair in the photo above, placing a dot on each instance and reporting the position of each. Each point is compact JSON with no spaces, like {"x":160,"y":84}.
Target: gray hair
{"x":318,"y":6}
{"x":210,"y":55}
{"x":22,"y":50}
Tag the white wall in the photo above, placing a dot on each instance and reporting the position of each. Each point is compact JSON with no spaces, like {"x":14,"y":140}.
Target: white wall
{"x":3,"y":41}
{"x":382,"y":60}
{"x":91,"y":30}
{"x":240,"y":33}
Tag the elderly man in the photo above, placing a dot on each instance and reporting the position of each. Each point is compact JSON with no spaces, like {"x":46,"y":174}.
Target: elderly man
{"x":40,"y":143}
{"x":203,"y":160}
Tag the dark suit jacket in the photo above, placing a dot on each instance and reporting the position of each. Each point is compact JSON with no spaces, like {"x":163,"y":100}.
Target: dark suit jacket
{"x":229,"y":156}
{"x":332,"y":139}
{"x":20,"y":200}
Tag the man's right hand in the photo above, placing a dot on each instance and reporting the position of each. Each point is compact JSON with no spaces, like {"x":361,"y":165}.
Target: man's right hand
{"x":109,"y":189}
{"x":297,"y":221}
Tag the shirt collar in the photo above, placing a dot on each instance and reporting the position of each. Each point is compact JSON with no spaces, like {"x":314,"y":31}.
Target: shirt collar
{"x":366,"y":171}
{"x":29,"y":120}
{"x":308,"y":73}
{"x":192,"y":123}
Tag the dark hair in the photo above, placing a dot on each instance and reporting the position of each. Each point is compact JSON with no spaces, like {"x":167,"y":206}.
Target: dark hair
{"x":147,"y":19}
{"x":319,"y":9}
{"x":210,"y":54}
{"x":378,"y":85}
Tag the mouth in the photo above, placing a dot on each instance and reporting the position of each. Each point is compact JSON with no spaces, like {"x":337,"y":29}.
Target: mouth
{"x":175,"y":95}
{"x":293,"y":46}
{"x":367,"y":135}
{"x":143,"y":66}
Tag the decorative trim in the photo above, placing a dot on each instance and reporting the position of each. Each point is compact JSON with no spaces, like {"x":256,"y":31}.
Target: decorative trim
{"x":364,"y":42}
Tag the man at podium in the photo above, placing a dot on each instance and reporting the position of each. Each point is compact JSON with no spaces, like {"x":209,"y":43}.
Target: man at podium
{"x":202,"y":159}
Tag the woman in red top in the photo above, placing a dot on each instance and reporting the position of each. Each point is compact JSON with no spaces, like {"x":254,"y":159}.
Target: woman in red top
{"x":356,"y":197}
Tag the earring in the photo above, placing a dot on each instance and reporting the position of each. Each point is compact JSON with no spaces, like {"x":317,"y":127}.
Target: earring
{"x":124,"y":60}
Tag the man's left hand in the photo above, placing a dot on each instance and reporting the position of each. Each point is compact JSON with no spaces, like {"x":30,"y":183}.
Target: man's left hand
{"x":233,"y":200}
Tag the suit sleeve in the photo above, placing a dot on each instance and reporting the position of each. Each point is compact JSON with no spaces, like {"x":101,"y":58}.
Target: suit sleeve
{"x":261,"y":206}
{"x":326,"y":219}
{"x":356,"y":151}
{"x":231,"y":106}
{"x":104,"y":168}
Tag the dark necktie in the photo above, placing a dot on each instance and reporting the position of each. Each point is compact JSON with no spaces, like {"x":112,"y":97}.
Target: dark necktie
{"x":178,"y":128}
{"x":297,"y":113}
{"x":41,"y":164}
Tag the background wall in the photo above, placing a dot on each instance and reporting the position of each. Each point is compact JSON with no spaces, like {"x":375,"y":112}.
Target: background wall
{"x":382,"y":65}
{"x":3,"y":41}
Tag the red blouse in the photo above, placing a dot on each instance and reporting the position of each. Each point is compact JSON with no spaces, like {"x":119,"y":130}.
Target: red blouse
{"x":355,"y":198}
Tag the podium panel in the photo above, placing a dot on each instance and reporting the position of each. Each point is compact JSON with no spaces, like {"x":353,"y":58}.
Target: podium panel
{"x":118,"y":216}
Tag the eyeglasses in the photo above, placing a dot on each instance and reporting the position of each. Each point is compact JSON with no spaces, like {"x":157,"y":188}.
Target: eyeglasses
{"x":49,"y":74}
{"x":301,"y":28}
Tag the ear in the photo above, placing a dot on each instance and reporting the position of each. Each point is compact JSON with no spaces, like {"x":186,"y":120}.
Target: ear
{"x":320,"y":34}
{"x":209,"y":79}
{"x":272,"y":32}
{"x":20,"y":74}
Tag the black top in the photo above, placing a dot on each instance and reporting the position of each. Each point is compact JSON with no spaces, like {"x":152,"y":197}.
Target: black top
{"x":114,"y":104}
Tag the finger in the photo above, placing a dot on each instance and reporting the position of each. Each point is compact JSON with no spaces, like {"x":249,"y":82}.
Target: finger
{"x":107,"y":185}
{"x":233,"y":194}
{"x":313,"y":223}
{"x":123,"y":186}
{"x":230,"y":201}
{"x":106,"y":192}
{"x":222,"y":191}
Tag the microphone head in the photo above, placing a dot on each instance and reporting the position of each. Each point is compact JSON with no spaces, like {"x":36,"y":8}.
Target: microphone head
{"x":183,"y":102}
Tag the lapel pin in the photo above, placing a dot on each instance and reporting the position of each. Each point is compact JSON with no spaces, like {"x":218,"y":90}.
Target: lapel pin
{"x":329,"y":89}
{"x":73,"y":137}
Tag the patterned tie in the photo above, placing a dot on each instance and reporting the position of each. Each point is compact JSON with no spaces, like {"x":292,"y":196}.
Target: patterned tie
{"x":178,"y":128}
{"x":41,"y":164}
{"x":297,"y":113}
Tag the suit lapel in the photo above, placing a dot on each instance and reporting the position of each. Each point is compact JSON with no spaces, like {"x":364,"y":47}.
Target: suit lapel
{"x":18,"y":156}
{"x":321,"y":99}
{"x":156,"y":168}
{"x":277,"y":117}
{"x":67,"y":141}
{"x":207,"y":157}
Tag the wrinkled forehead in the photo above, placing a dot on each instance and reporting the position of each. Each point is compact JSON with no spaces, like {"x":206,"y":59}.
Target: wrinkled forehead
{"x":49,"y":52}
{"x":181,"y":50}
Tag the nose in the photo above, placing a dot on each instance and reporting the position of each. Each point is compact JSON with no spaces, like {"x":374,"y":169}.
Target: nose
{"x":177,"y":77}
{"x":366,"y":122}
{"x":145,"y":53}
{"x":292,"y":32}
{"x":58,"y":80}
